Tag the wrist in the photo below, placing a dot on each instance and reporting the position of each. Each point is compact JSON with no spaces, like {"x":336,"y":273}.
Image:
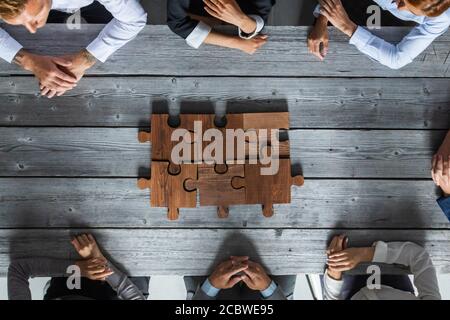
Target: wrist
{"x":349,"y":28}
{"x":88,"y":59}
{"x":368,"y":254}
{"x":247,"y":24}
{"x":24,"y":59}
{"x":335,"y":275}
{"x":322,"y":22}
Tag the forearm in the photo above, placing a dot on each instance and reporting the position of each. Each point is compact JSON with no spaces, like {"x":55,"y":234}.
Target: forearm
{"x":21,"y":270}
{"x":23,"y":59}
{"x":222,"y":40}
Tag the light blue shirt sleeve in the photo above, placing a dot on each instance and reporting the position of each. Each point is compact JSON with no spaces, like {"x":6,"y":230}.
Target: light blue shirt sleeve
{"x":396,"y":56}
{"x":209,"y":289}
{"x":8,"y":46}
{"x":270,"y":290}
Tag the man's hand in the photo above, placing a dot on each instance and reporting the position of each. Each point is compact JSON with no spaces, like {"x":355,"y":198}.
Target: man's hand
{"x":230,"y":12}
{"x":79,"y":64}
{"x":337,"y":244}
{"x":440,"y":172}
{"x":348,"y":259}
{"x":334,"y":11}
{"x":250,"y":46}
{"x":47,"y":70}
{"x":256,"y":277}
{"x":318,"y":38}
{"x":87,"y":247}
{"x":225,"y":276}
{"x":94,"y":269}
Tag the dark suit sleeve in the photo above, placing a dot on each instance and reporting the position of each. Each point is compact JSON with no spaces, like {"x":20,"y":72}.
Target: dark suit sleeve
{"x":444,"y":204}
{"x":277,"y":295}
{"x":262,"y":8}
{"x":178,"y":18}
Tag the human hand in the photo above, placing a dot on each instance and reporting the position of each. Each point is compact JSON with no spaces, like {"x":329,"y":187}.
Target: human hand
{"x":348,"y":259}
{"x":337,"y":244}
{"x":250,"y":46}
{"x":87,"y":247}
{"x":94,"y":269}
{"x":79,"y":64}
{"x":225,"y":276}
{"x":255,"y":277}
{"x":318,"y":38}
{"x":335,"y":12}
{"x":440,"y":172}
{"x":230,"y":12}
{"x":48,"y":70}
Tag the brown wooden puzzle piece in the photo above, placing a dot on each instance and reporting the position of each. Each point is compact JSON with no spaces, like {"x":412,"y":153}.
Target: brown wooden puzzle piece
{"x":167,"y":189}
{"x":268,"y":189}
{"x":214,"y":186}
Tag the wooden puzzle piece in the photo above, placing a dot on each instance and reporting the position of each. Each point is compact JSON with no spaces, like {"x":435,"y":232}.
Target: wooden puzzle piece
{"x":267,"y":189}
{"x":167,"y":189}
{"x":214,"y":186}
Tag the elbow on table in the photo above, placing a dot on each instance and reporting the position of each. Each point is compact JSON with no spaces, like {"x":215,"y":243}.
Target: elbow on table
{"x":397,"y":61}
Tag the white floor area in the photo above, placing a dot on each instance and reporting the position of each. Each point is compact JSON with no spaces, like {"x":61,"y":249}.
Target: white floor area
{"x":172,"y":287}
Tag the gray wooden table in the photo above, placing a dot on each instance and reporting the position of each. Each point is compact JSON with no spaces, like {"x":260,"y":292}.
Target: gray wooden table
{"x":362,"y":134}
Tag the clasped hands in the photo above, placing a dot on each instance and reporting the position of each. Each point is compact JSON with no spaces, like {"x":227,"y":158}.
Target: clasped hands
{"x":230,"y":12}
{"x":341,"y":258}
{"x":56,"y":75}
{"x":334,"y":12}
{"x":93,"y":265}
{"x":237,"y":269}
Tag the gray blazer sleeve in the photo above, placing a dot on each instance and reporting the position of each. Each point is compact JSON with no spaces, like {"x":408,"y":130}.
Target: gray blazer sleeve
{"x":21,"y":270}
{"x":201,"y":295}
{"x":125,"y":288}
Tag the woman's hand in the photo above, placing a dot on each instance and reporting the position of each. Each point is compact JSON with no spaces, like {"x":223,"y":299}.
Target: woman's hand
{"x":318,"y":38}
{"x":87,"y":247}
{"x":250,"y":46}
{"x":337,"y":244}
{"x":348,"y":259}
{"x":440,"y":172}
{"x":94,"y":269}
{"x":334,"y":11}
{"x":230,"y":12}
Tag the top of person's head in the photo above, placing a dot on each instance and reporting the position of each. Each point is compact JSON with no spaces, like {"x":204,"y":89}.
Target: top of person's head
{"x":11,"y":8}
{"x":430,"y":8}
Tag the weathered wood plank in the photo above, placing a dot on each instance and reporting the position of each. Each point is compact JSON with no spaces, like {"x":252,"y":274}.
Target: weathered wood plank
{"x":312,"y":103}
{"x":157,"y":51}
{"x":115,"y":152}
{"x":118,"y":203}
{"x":194,"y":251}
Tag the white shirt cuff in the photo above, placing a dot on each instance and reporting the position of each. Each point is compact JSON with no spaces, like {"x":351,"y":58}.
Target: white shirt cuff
{"x":9,"y":49}
{"x":333,"y":286}
{"x":316,"y":11}
{"x":361,"y":37}
{"x":198,"y":35}
{"x":259,"y":26}
{"x":381,"y":252}
{"x":100,"y":50}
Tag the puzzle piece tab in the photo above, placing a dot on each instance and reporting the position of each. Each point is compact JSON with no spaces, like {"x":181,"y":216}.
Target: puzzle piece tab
{"x":268,"y":189}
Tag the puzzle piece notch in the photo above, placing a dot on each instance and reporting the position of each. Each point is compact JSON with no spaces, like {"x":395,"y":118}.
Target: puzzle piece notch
{"x":168,"y":187}
{"x":215,"y":189}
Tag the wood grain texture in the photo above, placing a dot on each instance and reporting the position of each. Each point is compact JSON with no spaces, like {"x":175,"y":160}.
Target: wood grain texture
{"x":410,"y":103}
{"x":149,"y":252}
{"x":118,"y":203}
{"x":157,"y":51}
{"x":116,"y":152}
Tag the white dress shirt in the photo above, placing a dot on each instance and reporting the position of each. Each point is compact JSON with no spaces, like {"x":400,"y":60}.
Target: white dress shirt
{"x":129,"y":19}
{"x":402,"y":253}
{"x":396,"y":56}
